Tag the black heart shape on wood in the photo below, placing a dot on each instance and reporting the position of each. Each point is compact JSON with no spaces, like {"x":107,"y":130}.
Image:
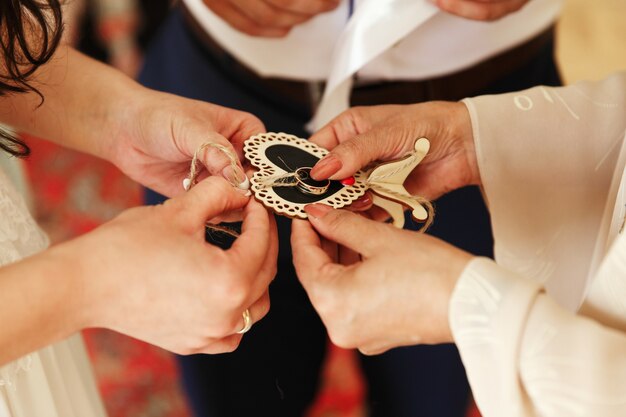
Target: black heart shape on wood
{"x":290,"y":158}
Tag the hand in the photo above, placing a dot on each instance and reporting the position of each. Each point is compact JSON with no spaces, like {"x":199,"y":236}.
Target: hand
{"x":156,"y":142}
{"x":268,"y":18}
{"x":397,"y":295}
{"x":382,"y":133}
{"x":486,"y":10}
{"x":150,"y":274}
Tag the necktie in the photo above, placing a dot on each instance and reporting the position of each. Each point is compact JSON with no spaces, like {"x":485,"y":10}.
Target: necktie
{"x":374,"y":27}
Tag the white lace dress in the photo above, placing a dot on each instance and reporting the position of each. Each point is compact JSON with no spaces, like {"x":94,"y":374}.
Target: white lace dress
{"x":56,"y":381}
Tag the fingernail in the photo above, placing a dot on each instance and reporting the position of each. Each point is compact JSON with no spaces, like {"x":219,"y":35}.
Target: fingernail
{"x":187,"y":184}
{"x":348,"y":181}
{"x":317,"y":211}
{"x":364,"y":202}
{"x":236,"y":177}
{"x":326,"y":167}
{"x":245,"y":184}
{"x":246,"y":193}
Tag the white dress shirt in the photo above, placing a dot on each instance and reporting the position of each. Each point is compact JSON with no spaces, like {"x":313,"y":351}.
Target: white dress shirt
{"x":552,"y":164}
{"x":382,"y":40}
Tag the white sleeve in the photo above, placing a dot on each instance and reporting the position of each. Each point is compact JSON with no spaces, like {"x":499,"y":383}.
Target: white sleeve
{"x":547,"y":157}
{"x":527,"y":356}
{"x":548,"y":160}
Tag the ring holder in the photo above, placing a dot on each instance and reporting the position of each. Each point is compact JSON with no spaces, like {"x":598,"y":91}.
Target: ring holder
{"x":283,"y":160}
{"x":284,"y":185}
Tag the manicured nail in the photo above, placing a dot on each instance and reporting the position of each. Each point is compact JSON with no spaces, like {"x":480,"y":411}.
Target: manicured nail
{"x":348,"y":181}
{"x":326,"y":167}
{"x":245,"y":184}
{"x":317,"y":211}
{"x":236,"y":177}
{"x":187,"y":184}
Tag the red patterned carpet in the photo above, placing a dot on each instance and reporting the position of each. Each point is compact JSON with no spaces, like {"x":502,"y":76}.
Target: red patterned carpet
{"x":75,"y":193}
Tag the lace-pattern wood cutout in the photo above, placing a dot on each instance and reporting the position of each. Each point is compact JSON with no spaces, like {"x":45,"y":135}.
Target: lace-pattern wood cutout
{"x":278,"y":156}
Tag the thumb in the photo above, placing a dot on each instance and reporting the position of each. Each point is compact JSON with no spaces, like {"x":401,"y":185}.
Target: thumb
{"x":219,"y":157}
{"x":350,"y":156}
{"x":348,"y":229}
{"x":208,"y":199}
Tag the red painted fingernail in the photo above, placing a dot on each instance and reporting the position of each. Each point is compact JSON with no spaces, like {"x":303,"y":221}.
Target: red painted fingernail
{"x":348,"y":181}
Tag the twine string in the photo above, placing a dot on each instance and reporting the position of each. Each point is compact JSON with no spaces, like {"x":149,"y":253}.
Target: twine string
{"x":192,"y":179}
{"x":277,"y":181}
{"x":372,"y":182}
{"x":286,"y":180}
{"x":194,"y":170}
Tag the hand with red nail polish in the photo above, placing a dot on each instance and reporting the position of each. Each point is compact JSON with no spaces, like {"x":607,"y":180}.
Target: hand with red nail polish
{"x":363,"y":135}
{"x":393,"y":291}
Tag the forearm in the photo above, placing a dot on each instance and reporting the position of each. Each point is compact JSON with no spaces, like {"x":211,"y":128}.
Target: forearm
{"x":547,"y":157}
{"x":41,"y":302}
{"x":85,"y":103}
{"x":515,"y":341}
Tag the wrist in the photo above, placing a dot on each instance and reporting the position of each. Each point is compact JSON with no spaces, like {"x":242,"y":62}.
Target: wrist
{"x":82,"y":302}
{"x":457,"y":265}
{"x":124,"y":120}
{"x":465,"y":136}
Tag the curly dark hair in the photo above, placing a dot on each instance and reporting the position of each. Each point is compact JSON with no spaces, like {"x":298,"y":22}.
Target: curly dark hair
{"x":30,"y":32}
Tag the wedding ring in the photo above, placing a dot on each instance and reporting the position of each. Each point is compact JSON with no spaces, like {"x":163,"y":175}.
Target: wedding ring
{"x":247,"y":322}
{"x":308,"y":185}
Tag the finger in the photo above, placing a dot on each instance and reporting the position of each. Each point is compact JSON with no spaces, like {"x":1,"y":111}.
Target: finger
{"x":350,"y":156}
{"x":309,"y":258}
{"x":208,"y":199}
{"x":267,"y":15}
{"x":257,"y":310}
{"x":260,"y":308}
{"x":267,"y":273}
{"x":348,"y":256}
{"x":234,"y":125}
{"x":240,"y":21}
{"x":377,"y":214}
{"x":352,"y":122}
{"x":216,"y":155}
{"x":366,"y":237}
{"x":219,"y":157}
{"x":232,"y":216}
{"x":331,"y":248}
{"x":250,"y":250}
{"x":481,"y":10}
{"x":363,"y":203}
{"x":225,"y":345}
{"x":371,"y":351}
{"x":308,"y":7}
{"x":340,"y":129}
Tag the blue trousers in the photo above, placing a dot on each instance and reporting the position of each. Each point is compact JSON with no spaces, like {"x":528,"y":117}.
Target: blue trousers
{"x":276,"y":370}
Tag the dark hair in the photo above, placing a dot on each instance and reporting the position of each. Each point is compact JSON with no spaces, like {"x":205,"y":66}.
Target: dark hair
{"x":30,"y":31}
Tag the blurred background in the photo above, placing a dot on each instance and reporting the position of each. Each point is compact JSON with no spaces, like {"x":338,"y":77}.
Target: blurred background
{"x":75,"y":193}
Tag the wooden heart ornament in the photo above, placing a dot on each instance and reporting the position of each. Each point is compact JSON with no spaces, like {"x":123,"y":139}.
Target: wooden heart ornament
{"x":283,"y":184}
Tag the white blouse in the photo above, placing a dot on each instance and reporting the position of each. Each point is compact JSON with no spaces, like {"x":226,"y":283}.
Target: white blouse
{"x":551,"y":162}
